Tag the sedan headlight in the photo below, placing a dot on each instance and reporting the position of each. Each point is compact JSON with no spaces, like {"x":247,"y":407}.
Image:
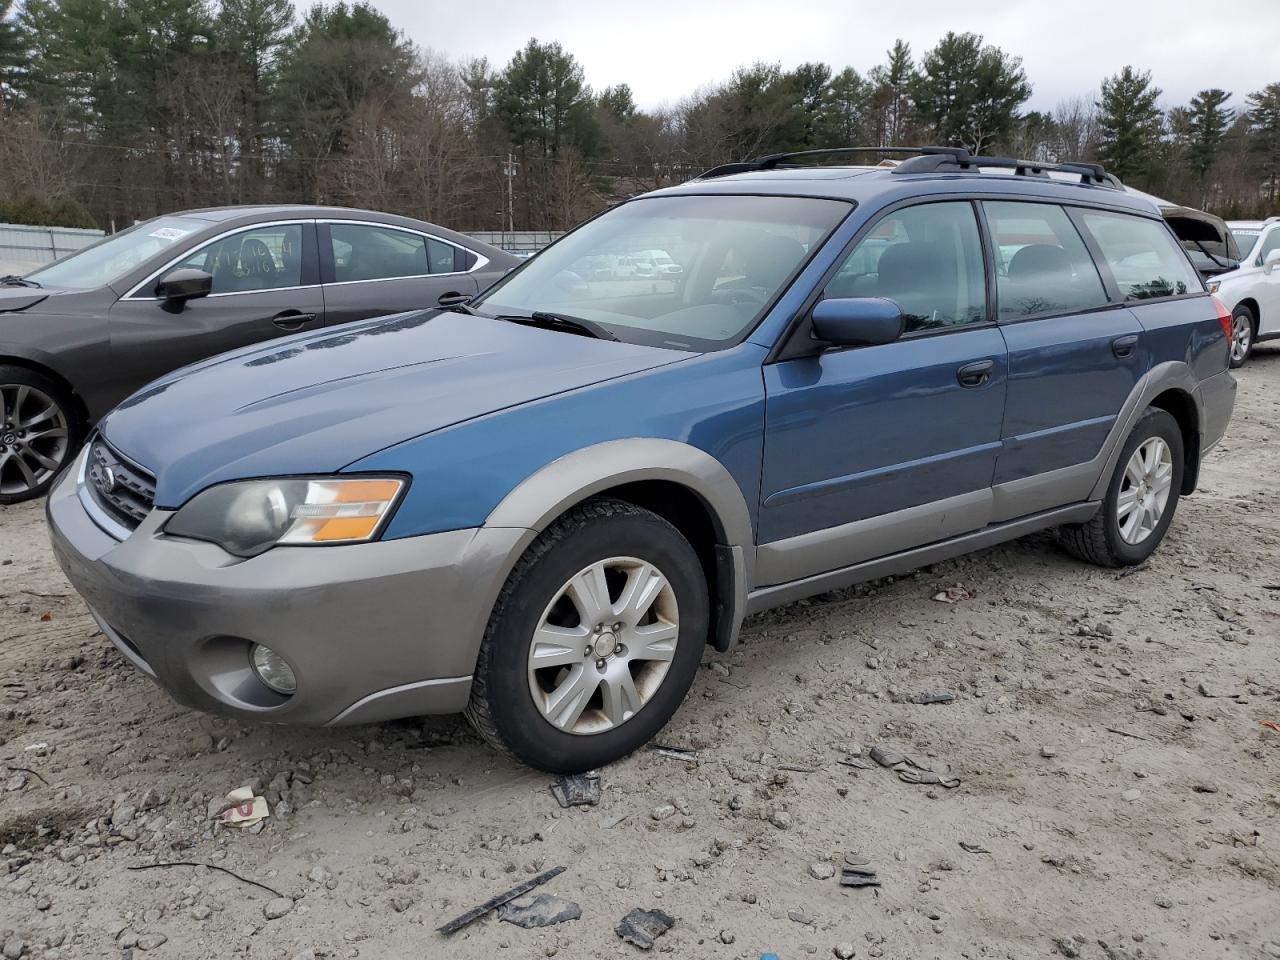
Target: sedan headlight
{"x":248,"y":517}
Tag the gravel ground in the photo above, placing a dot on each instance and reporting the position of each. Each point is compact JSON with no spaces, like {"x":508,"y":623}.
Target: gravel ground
{"x":1119,"y":794}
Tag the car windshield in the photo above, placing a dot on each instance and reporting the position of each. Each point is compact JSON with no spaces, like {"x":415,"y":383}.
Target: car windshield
{"x":112,"y":257}
{"x":689,"y":272}
{"x":1245,"y":239}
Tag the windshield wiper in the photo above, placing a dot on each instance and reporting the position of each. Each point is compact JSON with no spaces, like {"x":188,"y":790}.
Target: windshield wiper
{"x":561,"y":321}
{"x":13,"y":280}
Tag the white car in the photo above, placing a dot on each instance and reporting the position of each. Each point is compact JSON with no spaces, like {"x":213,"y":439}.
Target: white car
{"x":1252,"y":290}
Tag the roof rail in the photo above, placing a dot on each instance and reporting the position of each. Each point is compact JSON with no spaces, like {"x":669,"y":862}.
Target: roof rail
{"x":938,"y":161}
{"x":926,"y":160}
{"x":774,"y":160}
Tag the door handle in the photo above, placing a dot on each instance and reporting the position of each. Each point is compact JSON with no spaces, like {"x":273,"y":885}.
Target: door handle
{"x":453,"y":298}
{"x":292,"y":319}
{"x":975,"y":374}
{"x":1122,"y":347}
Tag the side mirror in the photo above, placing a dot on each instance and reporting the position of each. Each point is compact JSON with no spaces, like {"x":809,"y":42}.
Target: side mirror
{"x":1271,"y":261}
{"x":182,"y":285}
{"x":857,"y":321}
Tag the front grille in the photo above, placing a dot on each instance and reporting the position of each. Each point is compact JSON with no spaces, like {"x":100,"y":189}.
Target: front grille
{"x":123,"y":489}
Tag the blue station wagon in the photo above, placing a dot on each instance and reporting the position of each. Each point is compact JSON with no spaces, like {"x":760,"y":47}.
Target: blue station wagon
{"x":539,"y":508}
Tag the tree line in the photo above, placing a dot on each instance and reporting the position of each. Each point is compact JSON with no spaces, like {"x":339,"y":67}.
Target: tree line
{"x":117,"y":110}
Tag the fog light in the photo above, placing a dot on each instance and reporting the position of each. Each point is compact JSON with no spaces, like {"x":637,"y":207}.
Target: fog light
{"x":272,"y":670}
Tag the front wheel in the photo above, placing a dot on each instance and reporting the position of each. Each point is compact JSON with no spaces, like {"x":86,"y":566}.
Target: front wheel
{"x":594,"y":640}
{"x":1244,"y":329}
{"x":39,"y":433}
{"x":1141,"y":498}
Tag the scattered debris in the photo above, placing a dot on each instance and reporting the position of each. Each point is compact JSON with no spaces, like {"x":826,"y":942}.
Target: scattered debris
{"x":675,"y":753}
{"x":953,"y":594}
{"x":519,"y":890}
{"x":1126,"y":733}
{"x":822,"y":870}
{"x":908,"y":770}
{"x":36,"y":775}
{"x":577,"y":790}
{"x":1131,"y":795}
{"x":1269,"y":724}
{"x":799,"y":916}
{"x":210,"y":866}
{"x":973,"y":848}
{"x":244,"y":809}
{"x":643,"y":927}
{"x":927,"y":698}
{"x":544,"y":910}
{"x":1048,"y":752}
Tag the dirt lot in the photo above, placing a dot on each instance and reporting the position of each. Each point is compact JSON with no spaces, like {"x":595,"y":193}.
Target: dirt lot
{"x":1107,"y":732}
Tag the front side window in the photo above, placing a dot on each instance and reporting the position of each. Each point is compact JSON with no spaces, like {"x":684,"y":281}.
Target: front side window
{"x":1270,"y":243}
{"x":260,"y":258}
{"x":1042,"y":264}
{"x":927,"y":259}
{"x":365,"y":252}
{"x":1143,"y":256}
{"x":111,"y":258}
{"x":691,"y":272}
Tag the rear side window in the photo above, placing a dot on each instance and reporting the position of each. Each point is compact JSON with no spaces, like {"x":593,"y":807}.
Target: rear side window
{"x":362,"y":252}
{"x":1042,"y":265}
{"x":927,"y":259}
{"x":1143,"y":256}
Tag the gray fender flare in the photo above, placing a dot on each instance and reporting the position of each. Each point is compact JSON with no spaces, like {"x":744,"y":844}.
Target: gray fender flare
{"x":552,"y":490}
{"x":1170,"y":375}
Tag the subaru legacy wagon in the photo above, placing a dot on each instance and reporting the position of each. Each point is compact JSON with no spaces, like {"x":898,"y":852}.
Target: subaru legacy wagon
{"x":541,"y":507}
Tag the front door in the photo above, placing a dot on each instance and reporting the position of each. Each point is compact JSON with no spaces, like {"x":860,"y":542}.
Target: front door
{"x":371,"y":270}
{"x":873,"y":450}
{"x":264,"y":286}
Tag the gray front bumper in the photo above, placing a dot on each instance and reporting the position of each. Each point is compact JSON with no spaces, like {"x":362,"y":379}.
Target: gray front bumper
{"x":373,"y":631}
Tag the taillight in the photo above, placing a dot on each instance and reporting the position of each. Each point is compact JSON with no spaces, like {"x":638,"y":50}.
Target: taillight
{"x":1224,"y":316}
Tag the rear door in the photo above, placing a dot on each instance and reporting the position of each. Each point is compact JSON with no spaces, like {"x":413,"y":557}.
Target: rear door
{"x":265,"y":285}
{"x":1075,"y":354}
{"x":873,"y":450}
{"x":373,"y":269}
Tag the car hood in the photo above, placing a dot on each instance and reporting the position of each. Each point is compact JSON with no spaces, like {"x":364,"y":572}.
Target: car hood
{"x":318,"y":402}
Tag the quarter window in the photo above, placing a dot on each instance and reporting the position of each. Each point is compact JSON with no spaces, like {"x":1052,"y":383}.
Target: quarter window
{"x":928,"y":259}
{"x":261,"y":258}
{"x":362,"y":252}
{"x":1042,"y":265}
{"x":1143,"y":256}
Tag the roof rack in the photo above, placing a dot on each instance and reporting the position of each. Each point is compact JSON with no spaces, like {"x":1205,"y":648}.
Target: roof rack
{"x":927,"y":160}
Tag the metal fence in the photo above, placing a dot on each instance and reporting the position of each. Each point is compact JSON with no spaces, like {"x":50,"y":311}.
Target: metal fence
{"x":518,"y":241}
{"x":23,"y":249}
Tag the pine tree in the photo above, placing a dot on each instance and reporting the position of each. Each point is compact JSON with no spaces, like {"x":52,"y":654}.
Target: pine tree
{"x":969,"y":93}
{"x":1129,"y":121}
{"x":1208,"y":121}
{"x":1264,"y":122}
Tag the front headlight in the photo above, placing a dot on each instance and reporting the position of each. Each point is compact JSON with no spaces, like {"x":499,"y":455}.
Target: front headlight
{"x":248,"y":517}
{"x":1215,"y":286}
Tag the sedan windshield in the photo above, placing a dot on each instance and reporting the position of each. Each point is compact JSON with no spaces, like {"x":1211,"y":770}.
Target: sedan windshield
{"x":112,"y":257}
{"x":689,"y":272}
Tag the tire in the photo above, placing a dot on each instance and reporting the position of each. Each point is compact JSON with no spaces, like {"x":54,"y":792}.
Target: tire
{"x":1244,"y":334}
{"x":39,"y":433}
{"x":1103,"y":539}
{"x":542,"y":729}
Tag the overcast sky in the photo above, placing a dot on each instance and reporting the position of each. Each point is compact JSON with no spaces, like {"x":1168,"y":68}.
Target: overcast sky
{"x":665,"y":50}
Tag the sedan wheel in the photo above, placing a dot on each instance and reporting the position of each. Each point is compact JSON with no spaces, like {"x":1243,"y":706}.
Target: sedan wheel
{"x":603,"y":645}
{"x":35,"y":440}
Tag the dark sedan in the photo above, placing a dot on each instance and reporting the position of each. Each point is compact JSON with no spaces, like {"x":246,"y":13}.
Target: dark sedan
{"x":80,"y":335}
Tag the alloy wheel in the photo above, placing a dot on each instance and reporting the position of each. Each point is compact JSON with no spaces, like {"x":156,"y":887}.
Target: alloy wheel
{"x":1241,"y":337}
{"x":1144,"y":492}
{"x":603,"y":645}
{"x":34,"y":438}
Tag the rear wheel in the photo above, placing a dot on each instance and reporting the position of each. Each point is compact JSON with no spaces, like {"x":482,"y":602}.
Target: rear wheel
{"x":39,"y":433}
{"x":594,"y":640}
{"x":1244,"y":332}
{"x":1141,"y":499}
